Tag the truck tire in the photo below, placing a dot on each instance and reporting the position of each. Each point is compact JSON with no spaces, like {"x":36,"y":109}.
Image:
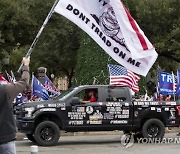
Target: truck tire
{"x":47,"y":133}
{"x":153,"y":128}
{"x":30,"y":137}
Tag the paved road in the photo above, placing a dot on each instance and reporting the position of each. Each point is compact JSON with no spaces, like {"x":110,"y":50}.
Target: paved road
{"x":99,"y":144}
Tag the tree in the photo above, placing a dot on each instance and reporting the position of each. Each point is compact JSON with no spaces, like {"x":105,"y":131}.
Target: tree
{"x":160,"y":22}
{"x":57,"y":45}
{"x":91,"y":62}
{"x":157,"y":19}
{"x":14,"y":25}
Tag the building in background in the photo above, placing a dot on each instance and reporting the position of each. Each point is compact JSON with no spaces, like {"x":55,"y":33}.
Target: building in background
{"x":62,"y":83}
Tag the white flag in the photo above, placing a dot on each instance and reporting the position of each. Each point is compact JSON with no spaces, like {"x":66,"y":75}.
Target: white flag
{"x":103,"y":21}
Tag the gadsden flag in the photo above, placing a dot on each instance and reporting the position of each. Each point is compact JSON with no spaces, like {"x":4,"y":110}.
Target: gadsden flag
{"x":110,"y":24}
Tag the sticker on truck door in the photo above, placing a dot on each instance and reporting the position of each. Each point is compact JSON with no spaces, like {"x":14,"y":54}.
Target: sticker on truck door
{"x":89,"y":109}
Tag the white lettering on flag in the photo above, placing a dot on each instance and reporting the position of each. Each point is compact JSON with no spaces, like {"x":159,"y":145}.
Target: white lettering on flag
{"x":98,"y":19}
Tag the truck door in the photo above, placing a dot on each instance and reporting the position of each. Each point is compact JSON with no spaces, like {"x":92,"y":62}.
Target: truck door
{"x":86,"y":114}
{"x":119,"y":108}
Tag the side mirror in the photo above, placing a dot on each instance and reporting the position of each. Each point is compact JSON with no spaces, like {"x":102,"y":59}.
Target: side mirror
{"x":74,"y":101}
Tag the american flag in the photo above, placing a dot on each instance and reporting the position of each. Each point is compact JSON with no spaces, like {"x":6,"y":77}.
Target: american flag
{"x":120,"y":76}
{"x":8,"y":76}
{"x":11,"y":77}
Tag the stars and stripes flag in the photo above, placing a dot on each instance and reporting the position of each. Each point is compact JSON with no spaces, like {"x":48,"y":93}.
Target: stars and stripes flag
{"x":120,"y":76}
{"x":21,"y":96}
{"x":11,"y":77}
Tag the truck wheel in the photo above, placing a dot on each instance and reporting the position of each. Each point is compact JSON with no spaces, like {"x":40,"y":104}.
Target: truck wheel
{"x":47,"y":133}
{"x":153,"y":128}
{"x":30,"y":137}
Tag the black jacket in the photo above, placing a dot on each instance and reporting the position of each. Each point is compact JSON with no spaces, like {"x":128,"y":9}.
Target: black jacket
{"x":7,"y":94}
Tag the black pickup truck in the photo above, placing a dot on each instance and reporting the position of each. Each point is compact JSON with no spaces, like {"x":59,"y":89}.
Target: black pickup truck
{"x":114,"y":110}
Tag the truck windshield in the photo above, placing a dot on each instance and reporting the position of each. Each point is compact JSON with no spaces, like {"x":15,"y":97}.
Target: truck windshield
{"x":65,"y":93}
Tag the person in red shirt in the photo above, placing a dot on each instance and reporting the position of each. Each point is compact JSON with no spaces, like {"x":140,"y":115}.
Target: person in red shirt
{"x":160,"y":98}
{"x":92,"y":97}
{"x":168,"y":98}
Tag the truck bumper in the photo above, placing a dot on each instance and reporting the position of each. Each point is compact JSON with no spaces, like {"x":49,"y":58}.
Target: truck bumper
{"x":26,"y":127}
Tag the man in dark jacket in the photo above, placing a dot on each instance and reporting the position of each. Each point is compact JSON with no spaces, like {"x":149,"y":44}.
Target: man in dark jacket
{"x":7,"y":122}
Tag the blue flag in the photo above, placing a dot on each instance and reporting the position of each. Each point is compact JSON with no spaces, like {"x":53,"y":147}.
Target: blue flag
{"x":178,"y":83}
{"x":50,"y":86}
{"x":38,"y":89}
{"x":166,"y":83}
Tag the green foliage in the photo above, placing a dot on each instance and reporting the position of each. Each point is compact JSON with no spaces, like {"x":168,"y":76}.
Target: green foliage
{"x":91,"y":61}
{"x":160,"y":22}
{"x":57,"y":47}
{"x":61,"y":46}
{"x":14,"y":23}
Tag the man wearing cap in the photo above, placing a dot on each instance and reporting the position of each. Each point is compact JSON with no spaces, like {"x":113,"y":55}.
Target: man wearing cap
{"x":7,"y":122}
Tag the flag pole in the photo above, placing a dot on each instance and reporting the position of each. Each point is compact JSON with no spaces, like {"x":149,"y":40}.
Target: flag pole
{"x":173,"y":77}
{"x":40,"y":31}
{"x":157,"y":84}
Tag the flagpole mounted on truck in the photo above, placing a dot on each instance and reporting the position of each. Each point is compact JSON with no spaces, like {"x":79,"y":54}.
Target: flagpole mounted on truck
{"x":40,"y":31}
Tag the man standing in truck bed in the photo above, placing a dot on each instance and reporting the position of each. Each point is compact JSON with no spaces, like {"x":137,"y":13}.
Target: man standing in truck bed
{"x":7,"y":122}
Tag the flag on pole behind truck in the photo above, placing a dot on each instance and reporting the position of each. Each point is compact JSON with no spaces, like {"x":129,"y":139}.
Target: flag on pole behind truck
{"x":110,"y":24}
{"x":167,"y":83}
{"x":38,"y":89}
{"x":120,"y":76}
{"x":47,"y":83}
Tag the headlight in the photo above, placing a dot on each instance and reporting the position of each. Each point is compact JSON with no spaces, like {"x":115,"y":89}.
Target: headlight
{"x":28,"y":111}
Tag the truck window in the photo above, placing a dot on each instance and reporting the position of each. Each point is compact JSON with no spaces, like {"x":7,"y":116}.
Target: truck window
{"x":81,"y":95}
{"x":85,"y":94}
{"x":116,"y":94}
